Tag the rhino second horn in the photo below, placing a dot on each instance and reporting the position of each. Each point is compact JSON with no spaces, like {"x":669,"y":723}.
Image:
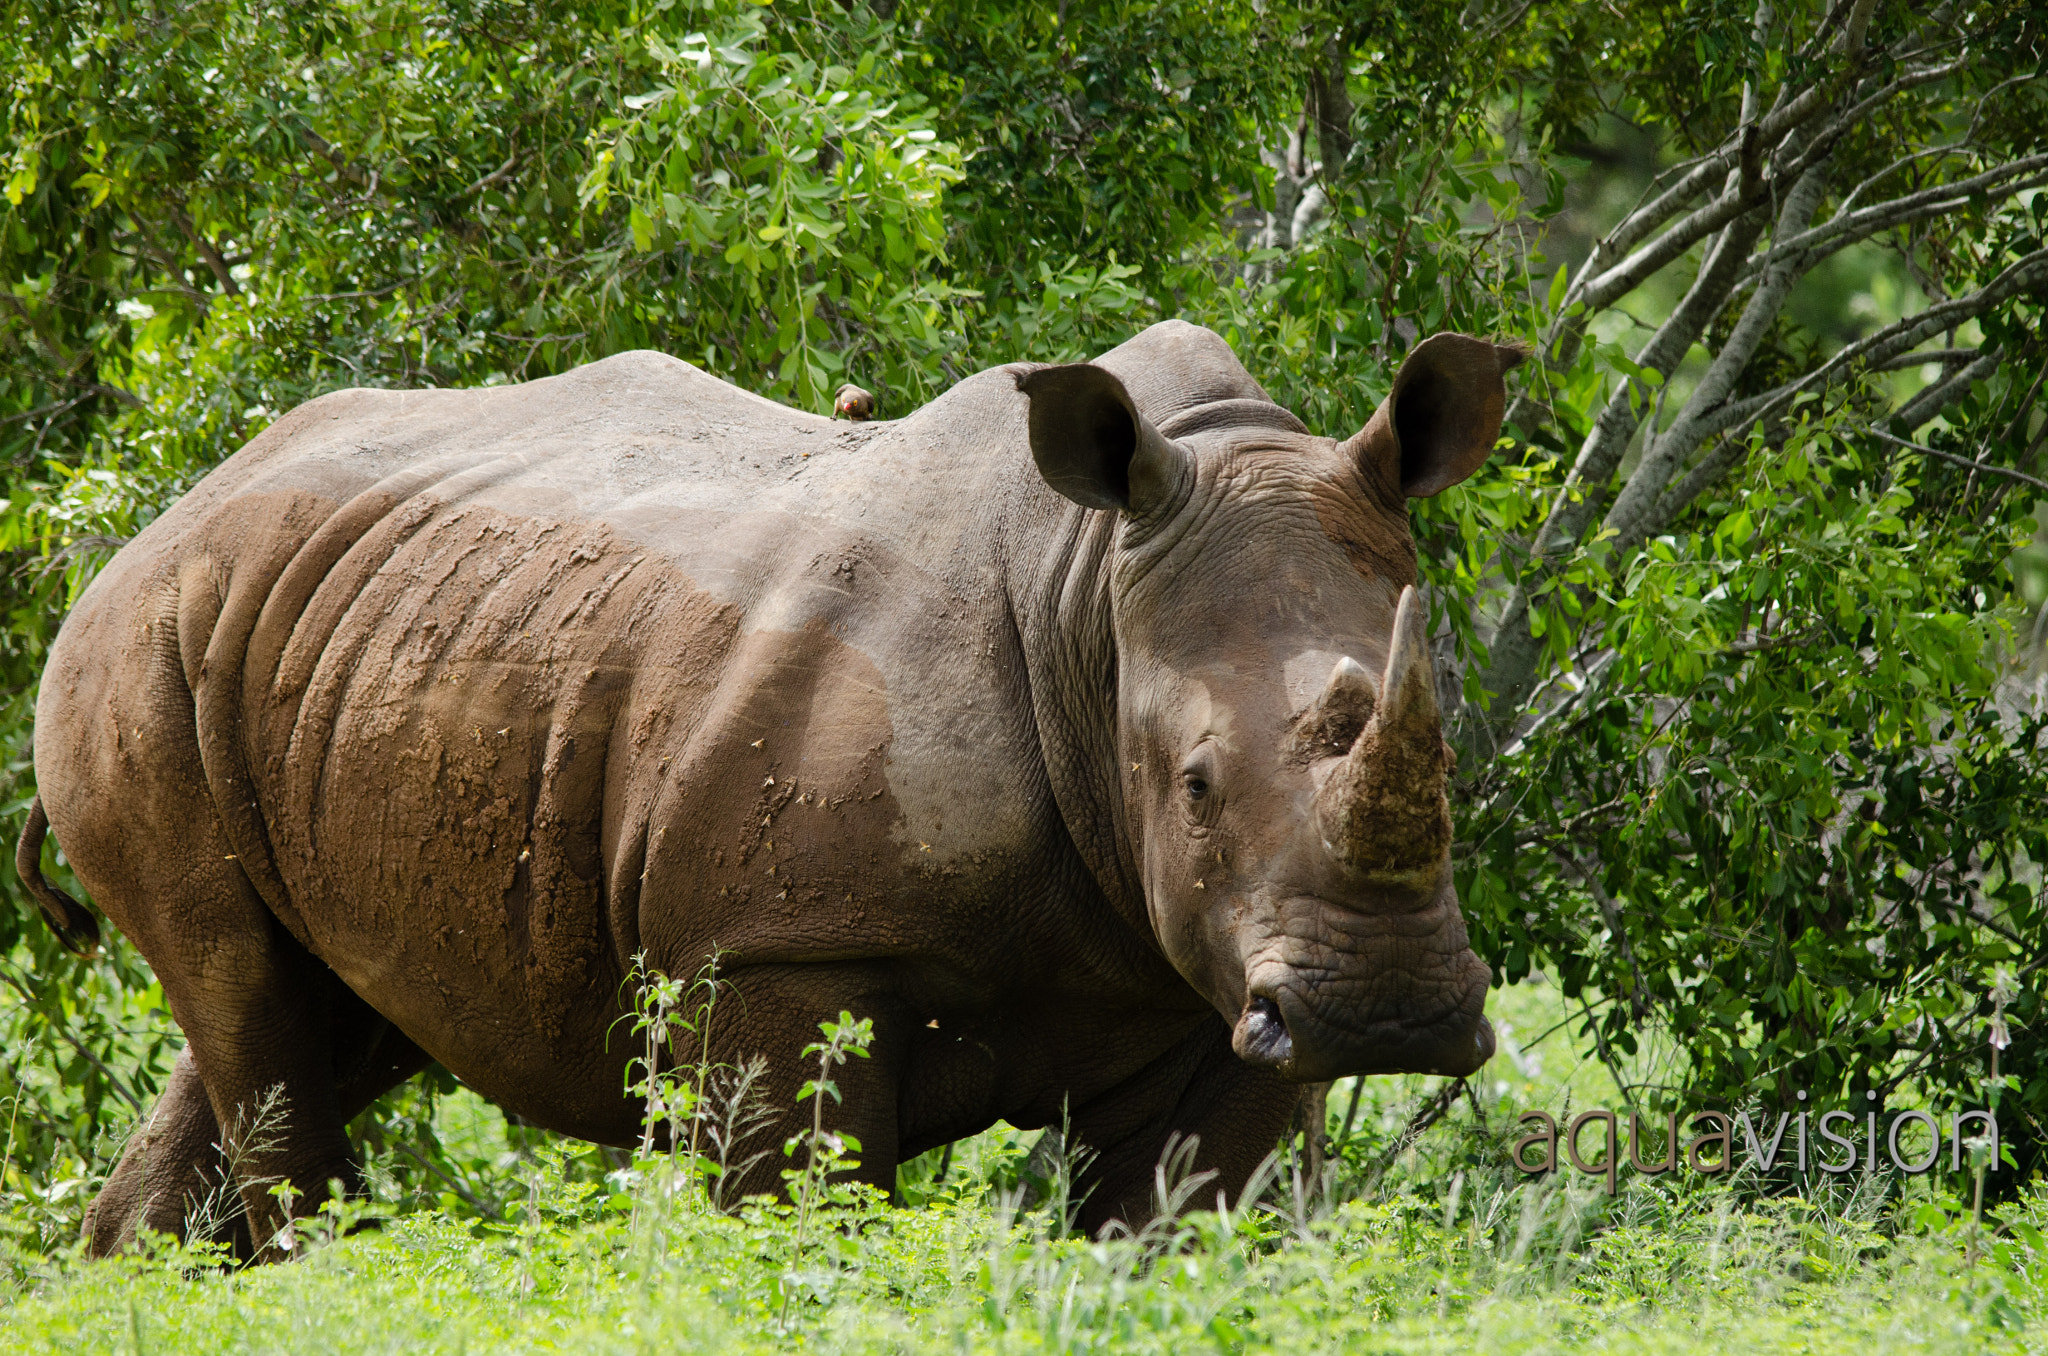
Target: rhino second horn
{"x":1332,"y":722}
{"x":1350,"y":685}
{"x":1383,"y":812}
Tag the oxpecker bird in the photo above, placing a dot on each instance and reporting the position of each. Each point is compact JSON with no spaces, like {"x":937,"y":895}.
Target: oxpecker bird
{"x":853,"y":403}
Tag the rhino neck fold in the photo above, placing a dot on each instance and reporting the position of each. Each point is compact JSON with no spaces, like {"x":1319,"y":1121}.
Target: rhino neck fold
{"x":1057,"y":559}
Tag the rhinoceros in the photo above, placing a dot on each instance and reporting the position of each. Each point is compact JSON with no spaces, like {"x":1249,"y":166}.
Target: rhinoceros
{"x":1078,"y":729}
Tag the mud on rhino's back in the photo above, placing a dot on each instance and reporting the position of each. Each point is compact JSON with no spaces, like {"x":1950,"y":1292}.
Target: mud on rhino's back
{"x":475,"y":672}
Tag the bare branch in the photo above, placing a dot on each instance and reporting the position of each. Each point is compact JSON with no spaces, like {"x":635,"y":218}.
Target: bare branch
{"x":1939,"y":395}
{"x":494,"y":178}
{"x":1819,"y":40}
{"x":323,"y":148}
{"x":174,"y":270}
{"x":1739,"y":153}
{"x":1648,"y":217}
{"x":370,"y":292}
{"x":1515,"y":648}
{"x":1977,"y":117}
{"x":1848,"y":201}
{"x":1637,"y":501}
{"x":1976,"y":465}
{"x":84,"y":1051}
{"x":1626,"y":276}
{"x":1616,"y":282}
{"x":57,"y":407}
{"x":1947,"y":357}
{"x":1851,"y":44}
{"x":2024,"y":410}
{"x":1618,"y":419}
{"x":1751,"y":188}
{"x":1799,"y":151}
{"x":1877,"y":348}
{"x":1759,"y":644}
{"x":1707,"y":473}
{"x":1913,"y":207}
{"x":217,"y":265}
{"x":1904,"y":334}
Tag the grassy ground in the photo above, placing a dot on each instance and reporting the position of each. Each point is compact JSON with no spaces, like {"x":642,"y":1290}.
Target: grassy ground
{"x":1434,"y":1246}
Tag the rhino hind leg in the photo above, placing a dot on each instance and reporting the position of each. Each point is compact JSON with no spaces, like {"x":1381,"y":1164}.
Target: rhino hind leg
{"x":279,"y":1053}
{"x":172,"y":1176}
{"x":134,"y":754}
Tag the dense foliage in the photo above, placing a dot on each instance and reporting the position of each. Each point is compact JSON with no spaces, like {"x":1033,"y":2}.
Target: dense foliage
{"x":1742,"y":613}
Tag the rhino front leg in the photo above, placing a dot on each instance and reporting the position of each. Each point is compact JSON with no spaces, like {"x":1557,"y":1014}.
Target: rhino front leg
{"x":1199,"y":1089}
{"x":772,"y":1012}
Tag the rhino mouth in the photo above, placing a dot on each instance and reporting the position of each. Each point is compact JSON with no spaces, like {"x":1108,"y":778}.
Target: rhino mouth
{"x":1261,"y":1036}
{"x":1280,"y":1030}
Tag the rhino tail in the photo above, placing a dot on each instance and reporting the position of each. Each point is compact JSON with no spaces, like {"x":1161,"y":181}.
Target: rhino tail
{"x":76,"y":928}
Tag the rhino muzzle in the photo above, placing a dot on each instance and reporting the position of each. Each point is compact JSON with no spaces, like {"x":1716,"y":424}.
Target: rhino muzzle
{"x":1278,"y":1031}
{"x":1336,"y":990}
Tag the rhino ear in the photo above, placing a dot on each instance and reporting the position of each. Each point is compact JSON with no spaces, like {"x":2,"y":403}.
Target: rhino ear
{"x":1439,"y":422}
{"x":1093,"y":446}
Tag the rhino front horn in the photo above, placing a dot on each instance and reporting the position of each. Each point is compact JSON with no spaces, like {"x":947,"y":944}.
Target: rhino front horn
{"x":1382,"y":812}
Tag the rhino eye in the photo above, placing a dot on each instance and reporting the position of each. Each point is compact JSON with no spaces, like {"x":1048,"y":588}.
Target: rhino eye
{"x":1203,"y":799}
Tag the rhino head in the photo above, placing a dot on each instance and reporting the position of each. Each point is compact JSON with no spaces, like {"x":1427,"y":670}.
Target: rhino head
{"x":1280,"y":754}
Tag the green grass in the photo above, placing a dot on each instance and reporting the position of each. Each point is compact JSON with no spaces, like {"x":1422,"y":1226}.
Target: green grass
{"x":1431,"y":1246}
{"x":1500,"y":1272}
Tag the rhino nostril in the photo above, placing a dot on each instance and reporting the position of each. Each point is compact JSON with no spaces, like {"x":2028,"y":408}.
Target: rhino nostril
{"x":1261,"y":1036}
{"x":1484,"y":1038}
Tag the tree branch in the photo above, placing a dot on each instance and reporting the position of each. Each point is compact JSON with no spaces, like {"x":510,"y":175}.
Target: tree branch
{"x":1636,"y":503}
{"x":1879,"y":347}
{"x":494,"y":178}
{"x":174,"y":270}
{"x":1938,"y":395}
{"x":1752,"y":187}
{"x":1759,"y":644}
{"x":1857,"y":114}
{"x":1644,"y":219}
{"x":1914,"y":207}
{"x":214,"y":262}
{"x":1905,"y":333}
{"x":1514,"y":647}
{"x":72,"y":1040}
{"x":1329,"y":106}
{"x":1611,"y":285}
{"x":1947,"y":357}
{"x":1992,"y":467}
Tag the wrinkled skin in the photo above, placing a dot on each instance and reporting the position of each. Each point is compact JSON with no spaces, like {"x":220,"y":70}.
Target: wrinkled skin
{"x":403,"y":732}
